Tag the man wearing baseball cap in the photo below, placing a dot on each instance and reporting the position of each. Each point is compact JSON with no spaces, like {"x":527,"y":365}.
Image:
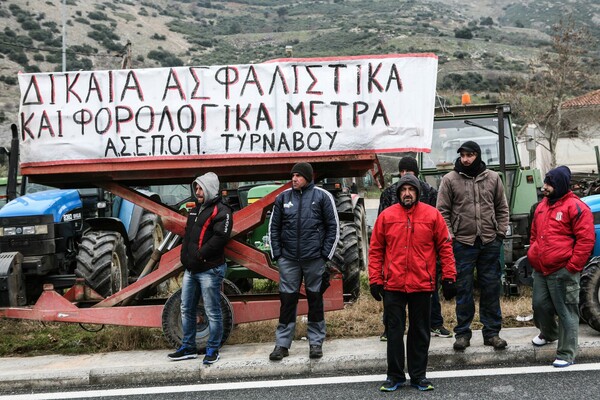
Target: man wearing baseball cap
{"x":471,"y":199}
{"x":304,"y":231}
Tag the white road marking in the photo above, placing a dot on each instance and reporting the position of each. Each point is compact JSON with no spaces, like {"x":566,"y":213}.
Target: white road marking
{"x":293,"y":382}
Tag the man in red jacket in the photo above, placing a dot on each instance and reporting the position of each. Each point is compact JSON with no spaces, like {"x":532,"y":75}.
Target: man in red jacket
{"x":406,"y":240}
{"x":562,"y":239}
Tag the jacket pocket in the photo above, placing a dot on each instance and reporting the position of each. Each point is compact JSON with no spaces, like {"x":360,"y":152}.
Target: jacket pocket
{"x":455,"y":224}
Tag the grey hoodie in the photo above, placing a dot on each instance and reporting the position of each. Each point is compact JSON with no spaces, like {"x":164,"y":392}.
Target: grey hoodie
{"x":209,"y":182}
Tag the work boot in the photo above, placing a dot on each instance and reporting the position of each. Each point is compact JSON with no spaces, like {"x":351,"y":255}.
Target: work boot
{"x":316,"y":351}
{"x":496,"y":341}
{"x":461,"y":343}
{"x":278,"y":353}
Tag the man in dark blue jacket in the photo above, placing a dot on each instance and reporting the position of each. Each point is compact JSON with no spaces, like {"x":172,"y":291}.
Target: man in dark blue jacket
{"x":207,"y":232}
{"x":304,"y":231}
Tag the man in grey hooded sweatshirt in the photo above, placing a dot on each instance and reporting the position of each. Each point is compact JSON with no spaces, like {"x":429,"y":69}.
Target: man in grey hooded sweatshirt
{"x":207,"y":232}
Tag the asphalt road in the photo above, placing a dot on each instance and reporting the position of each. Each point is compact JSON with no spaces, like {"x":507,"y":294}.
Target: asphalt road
{"x":540,"y":382}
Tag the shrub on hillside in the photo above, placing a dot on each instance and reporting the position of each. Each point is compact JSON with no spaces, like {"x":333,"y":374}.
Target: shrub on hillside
{"x":165,"y":58}
{"x":464,"y":33}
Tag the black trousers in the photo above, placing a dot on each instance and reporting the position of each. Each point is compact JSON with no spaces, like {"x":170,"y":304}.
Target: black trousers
{"x":417,"y":342}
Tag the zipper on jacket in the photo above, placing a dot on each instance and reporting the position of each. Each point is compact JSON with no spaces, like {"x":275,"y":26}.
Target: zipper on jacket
{"x":298,"y":217}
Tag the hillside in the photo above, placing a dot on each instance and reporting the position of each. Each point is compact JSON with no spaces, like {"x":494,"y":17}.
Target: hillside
{"x":504,"y":35}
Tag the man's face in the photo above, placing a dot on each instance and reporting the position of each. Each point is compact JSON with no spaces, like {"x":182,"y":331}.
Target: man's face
{"x":199,"y":193}
{"x":298,"y":181}
{"x":467,"y":158}
{"x":405,"y":172}
{"x":547,"y":190}
{"x":408,"y":195}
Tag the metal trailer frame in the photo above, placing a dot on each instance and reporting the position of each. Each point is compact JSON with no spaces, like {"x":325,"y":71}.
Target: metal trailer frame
{"x":81,"y":304}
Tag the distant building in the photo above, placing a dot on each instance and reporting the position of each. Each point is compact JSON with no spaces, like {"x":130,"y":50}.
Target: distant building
{"x":575,"y":148}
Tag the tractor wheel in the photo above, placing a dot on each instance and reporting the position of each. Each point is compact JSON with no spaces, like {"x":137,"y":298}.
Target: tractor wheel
{"x":171,"y":321}
{"x":102,"y":262}
{"x":360,"y":220}
{"x":346,"y":259}
{"x":149,"y":236}
{"x":589,"y":296}
{"x":343,"y":202}
{"x":230,"y":288}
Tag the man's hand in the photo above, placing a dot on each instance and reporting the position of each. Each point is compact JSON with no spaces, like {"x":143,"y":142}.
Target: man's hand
{"x":448,"y":289}
{"x":377,"y":291}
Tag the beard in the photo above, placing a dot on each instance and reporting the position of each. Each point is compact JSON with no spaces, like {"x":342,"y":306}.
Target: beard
{"x":407,"y":202}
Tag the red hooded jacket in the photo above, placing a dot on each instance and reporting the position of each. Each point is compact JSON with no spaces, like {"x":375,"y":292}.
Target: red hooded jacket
{"x":562,"y":235}
{"x":404,"y":247}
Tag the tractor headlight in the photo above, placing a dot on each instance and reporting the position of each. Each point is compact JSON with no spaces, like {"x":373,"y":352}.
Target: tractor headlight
{"x":35,"y":230}
{"x":10,"y":231}
{"x":25,"y":230}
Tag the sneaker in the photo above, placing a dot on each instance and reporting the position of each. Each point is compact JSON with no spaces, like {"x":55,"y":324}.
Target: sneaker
{"x":211,"y":357}
{"x":183,"y":353}
{"x":496,"y":341}
{"x":462,"y":343}
{"x":423,"y":385}
{"x":316,"y":351}
{"x":561,"y":363}
{"x":440,"y":331}
{"x":278,"y":353}
{"x":391,"y":384}
{"x":540,"y":340}
{"x":383,"y":337}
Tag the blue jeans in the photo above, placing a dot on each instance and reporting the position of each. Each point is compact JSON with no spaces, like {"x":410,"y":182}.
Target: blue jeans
{"x":486,"y":259}
{"x":208,"y":284}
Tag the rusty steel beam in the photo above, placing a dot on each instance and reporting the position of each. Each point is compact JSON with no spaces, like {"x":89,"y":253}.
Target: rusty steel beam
{"x":52,"y":307}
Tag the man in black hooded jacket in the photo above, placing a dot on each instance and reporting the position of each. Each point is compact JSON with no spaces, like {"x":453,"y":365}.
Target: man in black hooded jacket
{"x":207,"y":232}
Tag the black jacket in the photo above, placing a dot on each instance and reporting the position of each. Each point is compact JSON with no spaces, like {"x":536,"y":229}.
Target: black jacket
{"x":207,"y":232}
{"x":428,"y":195}
{"x":304,"y":224}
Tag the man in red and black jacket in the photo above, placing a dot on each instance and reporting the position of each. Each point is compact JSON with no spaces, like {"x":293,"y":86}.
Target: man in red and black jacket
{"x":407,"y":239}
{"x":207,"y":232}
{"x":562,"y":239}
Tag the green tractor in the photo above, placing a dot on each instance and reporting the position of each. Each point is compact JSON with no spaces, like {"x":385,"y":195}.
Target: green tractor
{"x":351,"y":256}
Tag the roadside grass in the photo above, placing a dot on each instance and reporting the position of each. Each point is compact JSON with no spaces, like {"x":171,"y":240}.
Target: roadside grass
{"x":360,"y":319}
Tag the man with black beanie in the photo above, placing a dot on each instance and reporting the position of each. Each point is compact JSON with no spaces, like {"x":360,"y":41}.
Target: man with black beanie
{"x":562,"y":239}
{"x":406,"y":241}
{"x":304,"y":231}
{"x":471,"y":199}
{"x":428,"y":195}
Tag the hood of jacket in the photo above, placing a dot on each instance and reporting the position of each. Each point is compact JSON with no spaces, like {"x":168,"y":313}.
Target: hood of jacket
{"x":412,"y":180}
{"x":209,"y":182}
{"x":560,"y":179}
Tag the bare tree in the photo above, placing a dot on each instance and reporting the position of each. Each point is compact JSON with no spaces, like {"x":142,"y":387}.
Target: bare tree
{"x":556,"y":74}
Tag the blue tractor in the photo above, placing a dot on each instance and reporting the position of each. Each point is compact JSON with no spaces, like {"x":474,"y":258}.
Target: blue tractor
{"x":589,"y":296}
{"x":55,"y":236}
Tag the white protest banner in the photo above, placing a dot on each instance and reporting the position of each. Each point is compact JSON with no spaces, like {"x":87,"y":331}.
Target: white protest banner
{"x":344,"y":105}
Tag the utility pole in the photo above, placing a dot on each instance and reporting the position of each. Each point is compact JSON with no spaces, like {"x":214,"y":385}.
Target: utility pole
{"x":64,"y":35}
{"x":126,"y":63}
